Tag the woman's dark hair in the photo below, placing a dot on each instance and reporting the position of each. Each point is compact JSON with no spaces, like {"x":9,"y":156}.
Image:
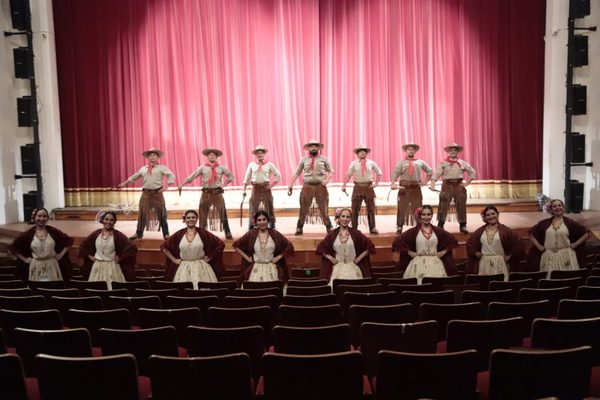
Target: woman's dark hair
{"x":190,"y":211}
{"x":490,"y":207}
{"x":105,"y":213}
{"x":259,"y":213}
{"x":35,"y":212}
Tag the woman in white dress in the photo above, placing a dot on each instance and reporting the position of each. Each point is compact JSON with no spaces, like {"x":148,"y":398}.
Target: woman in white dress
{"x":41,"y":250}
{"x":492,"y":248}
{"x":263,"y":251}
{"x":345,"y":251}
{"x":557,"y":241}
{"x":425,"y":250}
{"x":193,"y":254}
{"x":108,"y":255}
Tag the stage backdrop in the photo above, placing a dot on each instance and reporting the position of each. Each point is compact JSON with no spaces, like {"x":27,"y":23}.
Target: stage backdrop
{"x":182,"y":75}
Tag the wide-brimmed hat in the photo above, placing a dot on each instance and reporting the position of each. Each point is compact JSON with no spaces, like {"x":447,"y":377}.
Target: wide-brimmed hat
{"x":208,"y":150}
{"x":260,"y":147}
{"x":361,"y":147}
{"x":453,"y":145}
{"x":315,"y":142}
{"x":152,"y":150}
{"x":407,"y":145}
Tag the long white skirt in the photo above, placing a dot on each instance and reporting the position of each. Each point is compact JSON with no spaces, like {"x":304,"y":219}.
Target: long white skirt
{"x":107,"y":271}
{"x":422,"y":266}
{"x":492,"y":265}
{"x":195,"y":271}
{"x":344,"y":270}
{"x":44,"y":270}
{"x":563,"y":260}
{"x":263,"y":272}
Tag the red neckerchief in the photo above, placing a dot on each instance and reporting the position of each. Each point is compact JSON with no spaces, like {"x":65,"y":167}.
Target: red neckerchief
{"x":260,"y":165}
{"x":150,"y":166}
{"x":213,"y":172}
{"x":312,"y":161}
{"x":451,"y":161}
{"x":411,"y":165}
{"x":363,"y":166}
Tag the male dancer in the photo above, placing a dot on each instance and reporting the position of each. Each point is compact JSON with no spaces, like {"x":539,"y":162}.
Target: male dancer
{"x":452,"y":171}
{"x":212,"y":192}
{"x":366,"y":175}
{"x":259,"y":174}
{"x":317,"y":173}
{"x":152,"y":213}
{"x":408,"y":172}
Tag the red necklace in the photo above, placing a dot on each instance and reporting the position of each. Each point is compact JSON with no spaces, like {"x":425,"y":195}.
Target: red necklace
{"x":426,"y":234}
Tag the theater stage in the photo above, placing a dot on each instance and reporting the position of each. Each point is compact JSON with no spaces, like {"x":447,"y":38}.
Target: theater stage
{"x":519,"y":214}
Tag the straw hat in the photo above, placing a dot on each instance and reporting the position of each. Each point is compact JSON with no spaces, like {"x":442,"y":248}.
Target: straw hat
{"x":315,"y":142}
{"x":218,"y":152}
{"x":407,"y":145}
{"x":453,"y":145}
{"x":260,"y":147}
{"x":152,"y":150}
{"x":361,"y":147}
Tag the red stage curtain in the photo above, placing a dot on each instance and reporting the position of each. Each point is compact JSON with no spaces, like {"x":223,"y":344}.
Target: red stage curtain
{"x":186,"y":74}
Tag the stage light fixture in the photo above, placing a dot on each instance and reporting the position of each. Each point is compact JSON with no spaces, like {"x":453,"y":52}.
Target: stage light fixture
{"x":19,"y":15}
{"x":26,"y":111}
{"x":579,"y":93}
{"x":23,"y":66}
{"x":579,"y":8}
{"x":580,"y":50}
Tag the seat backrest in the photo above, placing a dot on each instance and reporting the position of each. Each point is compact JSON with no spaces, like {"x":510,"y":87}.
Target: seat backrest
{"x":527,"y":310}
{"x":62,"y":304}
{"x":417,"y":337}
{"x":418,"y":298}
{"x":483,"y":280}
{"x":388,"y":314}
{"x":12,"y":378}
{"x":94,"y":320}
{"x":311,"y":340}
{"x":308,"y":301}
{"x":262,"y":285}
{"x":218,"y":317}
{"x":485,"y":297}
{"x":229,"y":285}
{"x":485,"y":336}
{"x":268,"y":291}
{"x":410,"y":287}
{"x":354,"y":282}
{"x":130,"y":285}
{"x":243,"y":302}
{"x":202,"y":341}
{"x":385,"y":281}
{"x":25,"y":303}
{"x":308,"y":290}
{"x":340,"y":290}
{"x":368,"y":299}
{"x":69,"y":343}
{"x":555,"y":334}
{"x":588,"y":293}
{"x":305,"y":273}
{"x":434,"y":376}
{"x":553,"y":295}
{"x":306,"y":282}
{"x":578,"y":309}
{"x":95,"y":378}
{"x":132,"y":304}
{"x":142,"y":343}
{"x":12,"y":284}
{"x":535,"y":276}
{"x":220,"y":293}
{"x":323,"y":376}
{"x":46,"y":285}
{"x":64,"y":292}
{"x":387,"y":275}
{"x":309,"y":316}
{"x":74,"y":283}
{"x":161,"y":293}
{"x":572,"y":283}
{"x":593,"y":280}
{"x":180,"y":318}
{"x":443,"y":313}
{"x":563,"y":374}
{"x":105,"y":294}
{"x":16,"y":292}
{"x":217,"y":377}
{"x":202,"y":303}
{"x":439,"y":281}
{"x":171,"y":285}
{"x":515,"y":284}
{"x":575,"y":273}
{"x":43,"y":320}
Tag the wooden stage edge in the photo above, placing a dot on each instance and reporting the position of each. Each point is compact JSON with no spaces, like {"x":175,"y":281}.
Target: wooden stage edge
{"x":78,"y":222}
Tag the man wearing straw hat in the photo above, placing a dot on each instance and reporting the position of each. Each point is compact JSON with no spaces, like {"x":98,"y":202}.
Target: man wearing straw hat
{"x":317,"y":172}
{"x":408,"y":173}
{"x":452,"y":171}
{"x":152,"y":213}
{"x":366,"y":176}
{"x":259,"y":174}
{"x":212,"y":204}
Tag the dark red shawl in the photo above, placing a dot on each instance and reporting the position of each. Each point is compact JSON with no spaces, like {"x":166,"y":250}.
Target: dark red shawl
{"x":213,"y":248}
{"x":282,"y":246}
{"x":408,"y":241}
{"x":124,"y":248}
{"x":361,"y":243}
{"x":22,"y":245}
{"x":538,"y":231}
{"x":510,"y":244}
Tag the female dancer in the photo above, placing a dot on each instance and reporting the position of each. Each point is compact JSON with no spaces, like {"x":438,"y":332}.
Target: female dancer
{"x":345,"y":251}
{"x":108,"y":255}
{"x":425,"y":250}
{"x":193,"y":254}
{"x":263,"y":251}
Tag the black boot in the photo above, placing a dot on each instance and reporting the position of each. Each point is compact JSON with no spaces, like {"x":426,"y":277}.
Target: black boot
{"x":463,"y":228}
{"x":441,"y":224}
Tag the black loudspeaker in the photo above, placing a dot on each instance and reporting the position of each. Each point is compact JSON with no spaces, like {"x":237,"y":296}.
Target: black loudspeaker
{"x":579,"y":8}
{"x":576,"y":200}
{"x":577,"y":148}
{"x":29,"y":204}
{"x":28,"y":154}
{"x":579,"y":93}
{"x":23,"y":66}
{"x":580,"y":50}
{"x":27,"y":112}
{"x":19,"y":15}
